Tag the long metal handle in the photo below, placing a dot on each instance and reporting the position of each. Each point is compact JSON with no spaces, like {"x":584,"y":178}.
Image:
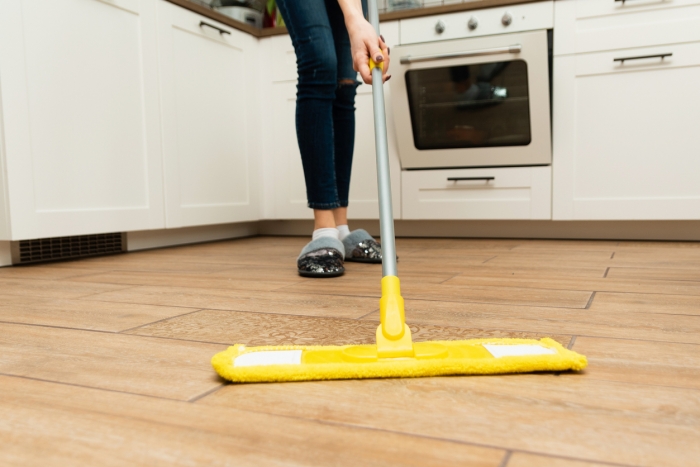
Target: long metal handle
{"x":641,"y":57}
{"x":386,"y":215}
{"x":459,"y":179}
{"x":511,"y":49}
{"x":221,"y":31}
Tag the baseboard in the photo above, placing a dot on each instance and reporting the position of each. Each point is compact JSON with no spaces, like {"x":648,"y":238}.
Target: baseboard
{"x":5,"y":254}
{"x":594,"y":230}
{"x":148,"y":239}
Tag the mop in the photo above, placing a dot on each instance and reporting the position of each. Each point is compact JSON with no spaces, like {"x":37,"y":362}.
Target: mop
{"x":394,"y":355}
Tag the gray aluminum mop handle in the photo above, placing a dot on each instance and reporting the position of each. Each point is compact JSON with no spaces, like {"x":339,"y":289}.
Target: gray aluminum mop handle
{"x":386,"y":215}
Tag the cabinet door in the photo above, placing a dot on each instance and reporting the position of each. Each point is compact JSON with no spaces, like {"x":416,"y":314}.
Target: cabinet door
{"x":209,"y":104}
{"x":625,"y":135}
{"x":289,"y":187}
{"x":79,"y":93}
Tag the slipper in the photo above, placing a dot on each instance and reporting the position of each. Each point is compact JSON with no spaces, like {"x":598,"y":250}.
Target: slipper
{"x":322,"y":257}
{"x":362,"y":248}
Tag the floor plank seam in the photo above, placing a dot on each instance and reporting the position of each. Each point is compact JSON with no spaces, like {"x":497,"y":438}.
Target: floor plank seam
{"x":407,"y":297}
{"x":367,"y":314}
{"x":571,"y":343}
{"x":207,"y":393}
{"x":590,"y":301}
{"x":160,"y":320}
{"x":612,"y":255}
{"x":593,"y":336}
{"x":121,"y":289}
{"x":135,"y":303}
{"x":489,"y":259}
{"x":112,"y":333}
{"x":450,"y":278}
{"x":506,"y":459}
{"x":53,"y":326}
{"x":96,"y":388}
{"x":638,"y":383}
{"x":607,"y":270}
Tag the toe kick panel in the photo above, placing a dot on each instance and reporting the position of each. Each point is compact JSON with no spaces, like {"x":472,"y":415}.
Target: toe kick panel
{"x":498,"y":193}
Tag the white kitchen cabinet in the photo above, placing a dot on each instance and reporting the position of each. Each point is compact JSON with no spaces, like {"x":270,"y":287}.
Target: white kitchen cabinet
{"x":484,"y":193}
{"x":286,"y":190}
{"x":210,"y":119}
{"x":625,"y":135}
{"x":80,"y":117}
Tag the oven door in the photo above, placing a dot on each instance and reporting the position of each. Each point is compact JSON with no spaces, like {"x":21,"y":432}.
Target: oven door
{"x":479,"y":102}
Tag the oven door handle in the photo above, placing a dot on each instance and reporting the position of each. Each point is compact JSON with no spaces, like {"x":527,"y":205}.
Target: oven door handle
{"x":511,"y":49}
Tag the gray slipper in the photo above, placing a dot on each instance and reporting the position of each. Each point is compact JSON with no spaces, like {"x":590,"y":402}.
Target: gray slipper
{"x":361,"y":247}
{"x":322,"y":257}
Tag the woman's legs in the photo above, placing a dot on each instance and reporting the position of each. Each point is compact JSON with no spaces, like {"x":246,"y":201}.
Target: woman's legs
{"x":325,"y":113}
{"x":311,"y":34}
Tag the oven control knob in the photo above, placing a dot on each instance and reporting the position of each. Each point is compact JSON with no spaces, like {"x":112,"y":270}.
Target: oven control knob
{"x":507,"y":19}
{"x":440,"y":27}
{"x":473,"y":23}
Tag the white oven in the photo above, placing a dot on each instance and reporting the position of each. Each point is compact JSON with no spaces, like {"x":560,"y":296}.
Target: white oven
{"x":473,"y":101}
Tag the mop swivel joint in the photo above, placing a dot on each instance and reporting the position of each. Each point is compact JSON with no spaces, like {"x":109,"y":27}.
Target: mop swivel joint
{"x":393,"y":334}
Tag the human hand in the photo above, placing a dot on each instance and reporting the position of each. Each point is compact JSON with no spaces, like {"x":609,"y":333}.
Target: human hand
{"x":365,"y":43}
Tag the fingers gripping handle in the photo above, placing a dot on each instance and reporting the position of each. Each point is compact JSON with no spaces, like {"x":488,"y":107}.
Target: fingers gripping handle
{"x":373,"y":65}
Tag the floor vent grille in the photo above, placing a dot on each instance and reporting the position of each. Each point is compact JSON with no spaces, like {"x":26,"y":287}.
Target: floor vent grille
{"x":79,"y":246}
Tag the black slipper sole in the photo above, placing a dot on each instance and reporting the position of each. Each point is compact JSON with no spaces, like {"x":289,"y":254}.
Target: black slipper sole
{"x":320,"y":275}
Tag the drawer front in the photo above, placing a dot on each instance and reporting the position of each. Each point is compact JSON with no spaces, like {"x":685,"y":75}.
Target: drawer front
{"x":638,"y":60}
{"x":582,"y":27}
{"x":500,"y":193}
{"x":527,"y":17}
{"x":593,"y":8}
{"x":193,"y":23}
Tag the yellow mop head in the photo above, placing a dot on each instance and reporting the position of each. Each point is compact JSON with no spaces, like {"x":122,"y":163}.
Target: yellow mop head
{"x":394,"y":355}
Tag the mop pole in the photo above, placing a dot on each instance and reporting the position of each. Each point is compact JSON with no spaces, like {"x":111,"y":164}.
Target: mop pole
{"x":393,"y":335}
{"x":386,"y":215}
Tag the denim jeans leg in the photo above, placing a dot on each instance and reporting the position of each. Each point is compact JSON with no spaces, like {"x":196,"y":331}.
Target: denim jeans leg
{"x":317,"y":65}
{"x":344,"y":103}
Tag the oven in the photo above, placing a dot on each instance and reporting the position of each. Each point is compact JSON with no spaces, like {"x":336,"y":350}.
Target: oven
{"x":473,"y":102}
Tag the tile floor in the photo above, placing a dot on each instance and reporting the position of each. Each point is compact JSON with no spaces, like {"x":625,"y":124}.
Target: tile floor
{"x":105,"y":361}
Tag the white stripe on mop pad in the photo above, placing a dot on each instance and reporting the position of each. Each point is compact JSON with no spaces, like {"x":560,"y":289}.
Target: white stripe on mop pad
{"x":518,"y":350}
{"x":269,"y":357}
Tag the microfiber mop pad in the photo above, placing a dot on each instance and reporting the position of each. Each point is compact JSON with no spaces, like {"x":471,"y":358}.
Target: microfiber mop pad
{"x":242,"y":364}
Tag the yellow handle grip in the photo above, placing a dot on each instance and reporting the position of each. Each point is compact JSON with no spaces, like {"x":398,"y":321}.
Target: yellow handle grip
{"x":373,"y":65}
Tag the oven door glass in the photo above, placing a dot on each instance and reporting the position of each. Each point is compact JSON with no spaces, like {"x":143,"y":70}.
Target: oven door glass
{"x":470,"y":106}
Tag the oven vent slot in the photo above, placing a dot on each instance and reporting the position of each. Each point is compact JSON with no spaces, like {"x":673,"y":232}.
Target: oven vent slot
{"x":57,"y":248}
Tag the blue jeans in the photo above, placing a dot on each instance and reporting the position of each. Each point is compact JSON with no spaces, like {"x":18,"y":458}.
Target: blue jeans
{"x":326,"y":88}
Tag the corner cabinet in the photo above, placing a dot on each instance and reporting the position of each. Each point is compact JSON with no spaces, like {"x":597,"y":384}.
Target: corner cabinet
{"x":210,"y":106}
{"x":79,"y":117}
{"x":626,"y":114}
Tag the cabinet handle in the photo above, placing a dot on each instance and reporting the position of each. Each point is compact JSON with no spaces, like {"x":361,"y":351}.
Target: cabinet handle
{"x":459,"y":179}
{"x":661,"y":56}
{"x":511,"y":49}
{"x":221,"y":31}
{"x":623,"y":1}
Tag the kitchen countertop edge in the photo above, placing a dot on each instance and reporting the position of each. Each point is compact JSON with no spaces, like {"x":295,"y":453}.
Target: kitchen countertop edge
{"x":390,"y":16}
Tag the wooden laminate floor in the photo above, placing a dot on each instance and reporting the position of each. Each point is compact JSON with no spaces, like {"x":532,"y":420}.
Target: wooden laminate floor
{"x":105,"y":361}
